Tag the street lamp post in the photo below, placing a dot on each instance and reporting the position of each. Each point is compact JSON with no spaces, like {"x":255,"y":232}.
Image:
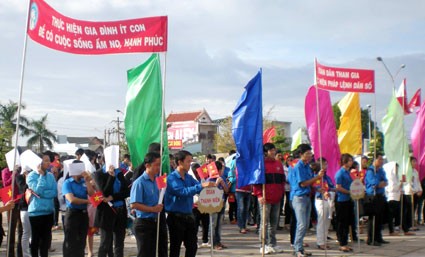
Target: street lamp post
{"x":369,"y":109}
{"x":388,"y":71}
{"x":118,"y":126}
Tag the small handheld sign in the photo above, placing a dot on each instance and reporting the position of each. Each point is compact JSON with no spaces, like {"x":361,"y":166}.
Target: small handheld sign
{"x":210,"y":200}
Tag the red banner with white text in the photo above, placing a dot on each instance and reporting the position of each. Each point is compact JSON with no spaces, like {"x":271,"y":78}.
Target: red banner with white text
{"x":48,"y":27}
{"x":344,"y":79}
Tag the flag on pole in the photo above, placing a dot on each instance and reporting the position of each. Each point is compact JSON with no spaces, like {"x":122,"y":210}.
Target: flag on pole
{"x":402,"y":97}
{"x":269,"y":134}
{"x":328,"y":137}
{"x":96,"y":199}
{"x":144,"y":109}
{"x":247,"y":131}
{"x":161,"y":181}
{"x":6,"y":194}
{"x":415,"y":101}
{"x":395,"y":147}
{"x":350,"y":130}
{"x":212,"y":170}
{"x":203,"y":171}
{"x":296,"y":139}
{"x":418,"y":140}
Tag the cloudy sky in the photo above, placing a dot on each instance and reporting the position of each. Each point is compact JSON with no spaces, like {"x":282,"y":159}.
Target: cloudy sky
{"x":214,"y":49}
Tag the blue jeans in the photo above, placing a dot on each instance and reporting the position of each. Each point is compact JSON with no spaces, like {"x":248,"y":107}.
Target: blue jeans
{"x":216,"y":224}
{"x":272,"y":219}
{"x":302,"y":208}
{"x":243,"y":201}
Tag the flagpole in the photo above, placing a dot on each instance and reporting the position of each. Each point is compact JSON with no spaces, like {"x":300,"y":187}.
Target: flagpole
{"x":21,"y":88}
{"x":320,"y":143}
{"x":161,"y":147}
{"x":263,"y":222}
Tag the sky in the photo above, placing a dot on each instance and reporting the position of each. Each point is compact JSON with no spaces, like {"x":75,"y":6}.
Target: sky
{"x":214,"y":48}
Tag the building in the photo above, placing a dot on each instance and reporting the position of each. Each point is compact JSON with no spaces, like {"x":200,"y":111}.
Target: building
{"x":68,"y":145}
{"x":191,"y":131}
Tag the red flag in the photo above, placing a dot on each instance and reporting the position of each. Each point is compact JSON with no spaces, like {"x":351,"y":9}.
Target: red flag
{"x":268,"y":134}
{"x":402,"y":97}
{"x":6,"y":194}
{"x":28,"y":193}
{"x":318,"y":184}
{"x":161,"y":181}
{"x":96,"y":198}
{"x":415,"y":101}
{"x":203,"y":171}
{"x":212,"y":170}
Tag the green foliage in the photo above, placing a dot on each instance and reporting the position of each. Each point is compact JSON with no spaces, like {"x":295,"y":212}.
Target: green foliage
{"x":223,"y":140}
{"x":379,"y":143}
{"x":5,"y":144}
{"x":337,"y":114}
{"x":40,"y":135}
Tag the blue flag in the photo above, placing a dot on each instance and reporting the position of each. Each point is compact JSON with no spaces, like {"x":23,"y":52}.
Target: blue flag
{"x":247,"y":131}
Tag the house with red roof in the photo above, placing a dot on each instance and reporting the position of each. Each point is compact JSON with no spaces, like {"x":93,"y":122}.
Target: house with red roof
{"x":191,"y":131}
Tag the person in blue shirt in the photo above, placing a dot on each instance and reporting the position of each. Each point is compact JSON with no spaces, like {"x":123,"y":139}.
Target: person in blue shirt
{"x":144,"y":198}
{"x":375,"y":182}
{"x":76,"y":221}
{"x":111,"y":214}
{"x":178,"y":201}
{"x":344,"y":205}
{"x":217,"y":217}
{"x":301,"y":183}
{"x":41,"y":209}
{"x":322,"y":203}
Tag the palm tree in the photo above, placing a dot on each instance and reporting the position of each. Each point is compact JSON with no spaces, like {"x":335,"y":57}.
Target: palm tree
{"x":40,"y":134}
{"x":8,"y":118}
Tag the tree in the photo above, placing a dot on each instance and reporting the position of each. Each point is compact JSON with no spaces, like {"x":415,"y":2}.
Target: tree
{"x":40,"y":135}
{"x":337,"y":114}
{"x":224,"y":139}
{"x":8,"y":119}
{"x":5,"y":144}
{"x":379,"y":143}
{"x":364,"y":119}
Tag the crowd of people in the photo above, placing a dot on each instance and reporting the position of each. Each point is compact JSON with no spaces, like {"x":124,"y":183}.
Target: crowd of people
{"x":297,"y":187}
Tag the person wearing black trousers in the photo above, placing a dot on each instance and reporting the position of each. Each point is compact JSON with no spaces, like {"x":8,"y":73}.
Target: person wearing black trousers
{"x":111,"y":215}
{"x":76,"y":189}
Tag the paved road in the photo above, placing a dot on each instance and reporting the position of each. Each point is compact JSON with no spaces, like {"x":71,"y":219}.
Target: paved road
{"x":248,"y":245}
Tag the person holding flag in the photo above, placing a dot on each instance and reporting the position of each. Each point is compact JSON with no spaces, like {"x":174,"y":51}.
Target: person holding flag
{"x":144,"y":198}
{"x":181,"y":187}
{"x":322,"y":202}
{"x":217,"y":168}
{"x":76,"y":189}
{"x":301,"y":181}
{"x":111,"y":215}
{"x":40,"y":209}
{"x":275,"y":188}
{"x":375,"y":182}
{"x":344,"y":204}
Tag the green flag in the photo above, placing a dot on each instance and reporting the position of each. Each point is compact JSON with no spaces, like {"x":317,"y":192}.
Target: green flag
{"x":395,"y":146}
{"x":143,"y":112}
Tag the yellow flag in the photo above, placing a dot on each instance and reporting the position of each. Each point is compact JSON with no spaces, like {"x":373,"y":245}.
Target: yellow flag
{"x":350,"y":130}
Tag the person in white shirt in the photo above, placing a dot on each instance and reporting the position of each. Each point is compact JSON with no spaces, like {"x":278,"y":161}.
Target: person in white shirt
{"x":417,"y":188}
{"x":393,"y":193}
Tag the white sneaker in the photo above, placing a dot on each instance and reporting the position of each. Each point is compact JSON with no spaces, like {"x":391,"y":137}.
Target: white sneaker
{"x":267,"y":250}
{"x":276,"y":249}
{"x":205,"y":245}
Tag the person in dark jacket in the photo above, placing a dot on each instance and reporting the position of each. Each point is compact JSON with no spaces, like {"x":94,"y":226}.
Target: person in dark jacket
{"x":111,"y":215}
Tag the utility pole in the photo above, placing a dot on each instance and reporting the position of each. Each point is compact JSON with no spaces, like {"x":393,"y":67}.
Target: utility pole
{"x":118,"y":129}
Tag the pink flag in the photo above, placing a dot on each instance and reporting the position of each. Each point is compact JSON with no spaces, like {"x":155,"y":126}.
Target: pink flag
{"x":418,"y":140}
{"x":329,"y":138}
{"x":268,"y":134}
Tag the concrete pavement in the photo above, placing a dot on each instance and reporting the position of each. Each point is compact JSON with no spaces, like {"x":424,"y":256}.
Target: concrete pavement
{"x":248,"y":244}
